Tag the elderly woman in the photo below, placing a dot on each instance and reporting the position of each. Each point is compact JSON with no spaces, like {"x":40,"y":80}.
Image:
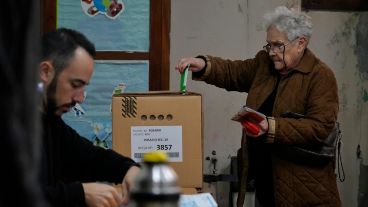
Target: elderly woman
{"x":284,"y":77}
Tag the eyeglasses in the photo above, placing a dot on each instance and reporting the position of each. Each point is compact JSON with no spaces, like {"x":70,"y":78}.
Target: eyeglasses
{"x":277,"y":47}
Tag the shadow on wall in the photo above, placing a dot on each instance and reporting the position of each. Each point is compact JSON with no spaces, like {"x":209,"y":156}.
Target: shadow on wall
{"x":361,"y":50}
{"x":363,"y":186}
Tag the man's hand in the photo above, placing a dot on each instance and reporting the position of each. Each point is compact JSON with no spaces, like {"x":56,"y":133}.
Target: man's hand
{"x":128,"y":183}
{"x":99,"y":194}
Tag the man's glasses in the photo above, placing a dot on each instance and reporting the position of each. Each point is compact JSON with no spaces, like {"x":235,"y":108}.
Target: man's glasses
{"x":277,"y":47}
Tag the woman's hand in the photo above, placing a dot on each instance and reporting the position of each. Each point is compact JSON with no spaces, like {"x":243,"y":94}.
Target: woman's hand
{"x":196,"y":64}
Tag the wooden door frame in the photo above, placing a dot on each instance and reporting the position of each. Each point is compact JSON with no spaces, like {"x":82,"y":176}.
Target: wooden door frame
{"x":159,"y":51}
{"x":335,"y":5}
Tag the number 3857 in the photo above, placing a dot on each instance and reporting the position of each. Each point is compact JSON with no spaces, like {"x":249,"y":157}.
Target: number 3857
{"x":163,"y":147}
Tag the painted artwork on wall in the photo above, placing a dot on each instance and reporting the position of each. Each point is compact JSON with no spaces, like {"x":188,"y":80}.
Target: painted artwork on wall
{"x":92,"y":119}
{"x":112,"y":25}
{"x":111,"y":9}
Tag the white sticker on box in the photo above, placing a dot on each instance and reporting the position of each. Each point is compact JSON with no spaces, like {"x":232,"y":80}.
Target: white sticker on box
{"x":151,"y":138}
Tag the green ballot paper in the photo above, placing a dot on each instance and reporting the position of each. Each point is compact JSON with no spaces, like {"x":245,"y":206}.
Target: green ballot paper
{"x":183,"y":80}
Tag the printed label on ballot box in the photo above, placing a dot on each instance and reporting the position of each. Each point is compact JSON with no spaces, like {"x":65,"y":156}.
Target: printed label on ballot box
{"x":151,"y":138}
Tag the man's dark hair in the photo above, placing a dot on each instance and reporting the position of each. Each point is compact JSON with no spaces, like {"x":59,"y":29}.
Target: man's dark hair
{"x":59,"y":46}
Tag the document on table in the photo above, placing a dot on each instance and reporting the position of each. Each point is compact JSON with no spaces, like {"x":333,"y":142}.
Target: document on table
{"x":197,"y":200}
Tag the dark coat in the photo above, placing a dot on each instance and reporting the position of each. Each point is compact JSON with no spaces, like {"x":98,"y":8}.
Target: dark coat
{"x":309,"y":89}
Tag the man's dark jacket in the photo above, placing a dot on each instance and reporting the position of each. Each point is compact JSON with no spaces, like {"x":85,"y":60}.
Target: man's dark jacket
{"x":68,"y":160}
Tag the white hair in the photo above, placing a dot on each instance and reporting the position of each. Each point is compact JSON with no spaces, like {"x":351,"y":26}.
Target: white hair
{"x":292,"y":22}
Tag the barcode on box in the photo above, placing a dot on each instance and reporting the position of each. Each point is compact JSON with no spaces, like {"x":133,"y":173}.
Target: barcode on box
{"x":169,"y":154}
{"x":138,"y":155}
{"x":173,"y":154}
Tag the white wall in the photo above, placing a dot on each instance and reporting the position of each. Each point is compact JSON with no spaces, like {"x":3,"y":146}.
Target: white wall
{"x":231,"y":29}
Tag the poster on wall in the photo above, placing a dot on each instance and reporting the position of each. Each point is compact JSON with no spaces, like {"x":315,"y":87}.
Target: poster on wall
{"x":112,"y":25}
{"x":92,"y":118}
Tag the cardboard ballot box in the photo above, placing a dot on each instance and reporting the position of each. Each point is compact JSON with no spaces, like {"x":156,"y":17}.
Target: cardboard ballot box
{"x":168,"y":121}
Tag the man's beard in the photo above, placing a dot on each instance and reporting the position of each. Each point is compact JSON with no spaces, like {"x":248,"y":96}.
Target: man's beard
{"x":51,"y":106}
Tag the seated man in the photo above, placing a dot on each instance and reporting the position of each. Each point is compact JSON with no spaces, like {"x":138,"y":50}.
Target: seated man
{"x":71,"y":165}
